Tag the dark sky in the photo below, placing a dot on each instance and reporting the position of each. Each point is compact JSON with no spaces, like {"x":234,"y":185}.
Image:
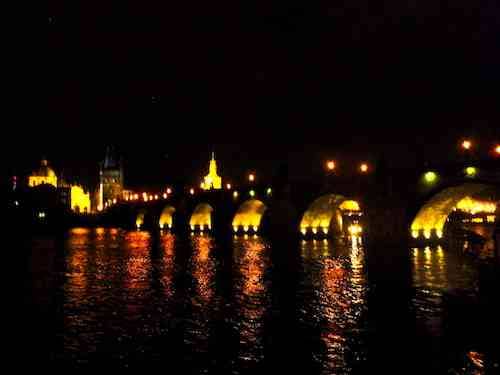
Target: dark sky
{"x":261,"y":82}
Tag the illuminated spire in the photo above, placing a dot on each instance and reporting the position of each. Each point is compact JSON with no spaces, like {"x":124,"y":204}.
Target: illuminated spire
{"x":212,"y":180}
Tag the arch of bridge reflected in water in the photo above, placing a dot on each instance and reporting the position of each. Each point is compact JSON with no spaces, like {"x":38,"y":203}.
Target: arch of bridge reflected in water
{"x":249,"y":216}
{"x":144,"y":294}
{"x":431,"y":218}
{"x":325,"y":214}
{"x":201,"y":218}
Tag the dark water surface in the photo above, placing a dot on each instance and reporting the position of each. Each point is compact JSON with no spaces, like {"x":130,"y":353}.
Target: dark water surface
{"x":108,"y":298}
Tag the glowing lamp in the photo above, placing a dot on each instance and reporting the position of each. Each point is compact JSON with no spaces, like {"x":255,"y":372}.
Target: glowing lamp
{"x":156,"y":196}
{"x":255,"y":228}
{"x":497,"y":150}
{"x":414,"y":233}
{"x":235,"y":194}
{"x":162,"y":225}
{"x":164,"y":195}
{"x":427,"y":233}
{"x":235,"y":228}
{"x":192,"y":227}
{"x":430,"y":177}
{"x":303,"y":231}
{"x":471,"y":171}
{"x":330,"y":165}
{"x":191,"y":191}
{"x":363,"y":168}
{"x":466,"y":144}
{"x":252,"y":193}
{"x":169,"y":191}
{"x":228,"y":186}
{"x":315,"y":230}
{"x":245,"y":228}
{"x":251,"y":177}
{"x":269,"y":191}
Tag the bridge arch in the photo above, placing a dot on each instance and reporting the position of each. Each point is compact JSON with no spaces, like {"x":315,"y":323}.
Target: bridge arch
{"x":201,"y":218}
{"x":248,"y":216}
{"x":140,"y":219}
{"x":166,"y":220}
{"x":430,"y":220}
{"x":325,"y":214}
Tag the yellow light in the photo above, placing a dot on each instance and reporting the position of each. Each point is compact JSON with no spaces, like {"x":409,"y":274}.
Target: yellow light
{"x":164,"y":195}
{"x":251,"y":177}
{"x":192,"y":227}
{"x":202,"y":185}
{"x":471,"y":171}
{"x":414,"y":233}
{"x":325,"y":230}
{"x":235,"y":229}
{"x":255,"y":228}
{"x":330,"y":165}
{"x":363,"y":168}
{"x":169,"y":191}
{"x":191,"y":191}
{"x":41,"y":215}
{"x":235,"y":194}
{"x":269,"y":191}
{"x":490,"y":218}
{"x":252,"y":193}
{"x":156,"y":196}
{"x":466,"y":145}
{"x":151,"y":197}
{"x":497,"y":149}
{"x":136,"y":196}
{"x":473,"y":206}
{"x":114,"y":201}
{"x":315,"y":230}
{"x":439,"y":233}
{"x":477,"y":219}
{"x":355,"y":229}
{"x":430,"y":177}
{"x":349,"y":205}
{"x":162,"y":225}
{"x":228,"y":186}
{"x":303,"y":231}
{"x":427,"y":233}
{"x":245,"y":228}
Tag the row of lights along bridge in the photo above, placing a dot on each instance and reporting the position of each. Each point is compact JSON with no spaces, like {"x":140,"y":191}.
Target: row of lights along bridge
{"x":466,"y":145}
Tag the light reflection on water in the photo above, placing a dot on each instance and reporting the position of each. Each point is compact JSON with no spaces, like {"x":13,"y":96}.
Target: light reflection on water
{"x":130,"y":296}
{"x":334,"y":273}
{"x":251,"y":296}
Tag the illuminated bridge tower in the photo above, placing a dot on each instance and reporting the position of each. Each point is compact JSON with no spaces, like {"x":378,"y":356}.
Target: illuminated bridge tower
{"x":212,"y":180}
{"x":110,"y":179}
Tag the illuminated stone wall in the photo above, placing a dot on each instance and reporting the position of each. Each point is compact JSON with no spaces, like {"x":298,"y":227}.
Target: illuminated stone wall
{"x":80,"y":201}
{"x":249,"y":215}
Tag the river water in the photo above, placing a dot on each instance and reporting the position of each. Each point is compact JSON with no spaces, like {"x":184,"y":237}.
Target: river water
{"x":109,"y":298}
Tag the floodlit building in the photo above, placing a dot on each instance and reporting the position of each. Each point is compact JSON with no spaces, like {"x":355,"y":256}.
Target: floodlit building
{"x":212,"y":180}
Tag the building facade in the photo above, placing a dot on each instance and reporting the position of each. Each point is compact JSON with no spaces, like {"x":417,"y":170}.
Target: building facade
{"x":110,"y":180}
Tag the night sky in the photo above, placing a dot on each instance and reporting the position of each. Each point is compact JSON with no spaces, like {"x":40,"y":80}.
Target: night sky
{"x":261,"y":82}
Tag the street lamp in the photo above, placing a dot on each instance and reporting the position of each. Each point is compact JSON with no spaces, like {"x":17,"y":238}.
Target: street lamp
{"x":466,"y":144}
{"x":363,"y":168}
{"x":251,"y":177}
{"x":330,"y":165}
